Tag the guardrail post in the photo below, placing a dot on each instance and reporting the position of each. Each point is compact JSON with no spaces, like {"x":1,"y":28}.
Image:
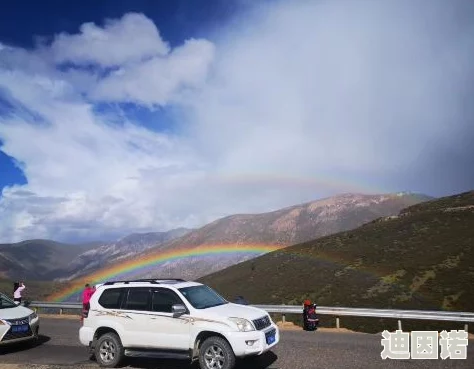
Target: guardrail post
{"x":399,"y":324}
{"x":35,"y":310}
{"x":283,"y":317}
{"x":337,"y":323}
{"x":465,"y":327}
{"x":60,"y":311}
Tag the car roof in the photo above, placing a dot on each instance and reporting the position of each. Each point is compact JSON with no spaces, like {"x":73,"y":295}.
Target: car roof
{"x":176,"y":283}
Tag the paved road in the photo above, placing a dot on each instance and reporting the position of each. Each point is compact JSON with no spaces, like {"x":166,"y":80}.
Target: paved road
{"x":60,"y":348}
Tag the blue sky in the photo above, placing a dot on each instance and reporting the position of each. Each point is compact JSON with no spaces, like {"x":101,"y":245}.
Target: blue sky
{"x":178,"y":19}
{"x":129,"y":116}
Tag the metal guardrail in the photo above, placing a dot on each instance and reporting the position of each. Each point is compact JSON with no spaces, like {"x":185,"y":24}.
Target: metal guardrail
{"x":375,"y":313}
{"x":454,"y":316}
{"x":55,"y":305}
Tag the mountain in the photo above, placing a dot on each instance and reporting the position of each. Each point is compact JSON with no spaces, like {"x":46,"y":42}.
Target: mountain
{"x":36,"y":259}
{"x":48,"y":260}
{"x":123,"y":248}
{"x":421,"y":258}
{"x":302,"y":222}
{"x":281,"y":227}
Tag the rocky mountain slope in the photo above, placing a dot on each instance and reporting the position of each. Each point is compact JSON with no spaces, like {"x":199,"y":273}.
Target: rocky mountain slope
{"x":302,"y":222}
{"x":36,"y":259}
{"x":123,"y":248}
{"x":420,"y":259}
{"x":46,"y":259}
{"x":283,"y":227}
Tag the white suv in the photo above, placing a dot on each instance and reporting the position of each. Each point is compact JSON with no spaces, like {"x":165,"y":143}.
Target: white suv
{"x":173,"y":318}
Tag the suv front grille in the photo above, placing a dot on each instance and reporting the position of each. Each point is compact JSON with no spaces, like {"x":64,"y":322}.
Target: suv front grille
{"x":262,"y":323}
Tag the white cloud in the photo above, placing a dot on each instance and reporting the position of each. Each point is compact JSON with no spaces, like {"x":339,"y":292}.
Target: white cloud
{"x":294,"y":103}
{"x":160,"y":80}
{"x":132,"y":38}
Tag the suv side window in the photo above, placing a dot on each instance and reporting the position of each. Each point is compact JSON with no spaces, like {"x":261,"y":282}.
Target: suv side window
{"x":138,"y":299}
{"x":163,"y":299}
{"x":112,"y":298}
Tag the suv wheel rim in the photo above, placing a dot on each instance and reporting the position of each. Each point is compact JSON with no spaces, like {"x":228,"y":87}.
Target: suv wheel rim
{"x":214,"y":357}
{"x":107,"y":351}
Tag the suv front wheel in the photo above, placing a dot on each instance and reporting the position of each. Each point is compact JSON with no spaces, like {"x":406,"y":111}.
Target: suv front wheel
{"x":109,"y":351}
{"x":216,"y":353}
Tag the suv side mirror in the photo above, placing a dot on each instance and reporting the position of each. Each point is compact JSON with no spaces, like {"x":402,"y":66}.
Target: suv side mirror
{"x":178,"y":310}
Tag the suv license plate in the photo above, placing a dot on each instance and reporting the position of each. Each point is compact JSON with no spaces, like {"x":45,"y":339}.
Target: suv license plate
{"x":270,"y":339}
{"x":20,"y":328}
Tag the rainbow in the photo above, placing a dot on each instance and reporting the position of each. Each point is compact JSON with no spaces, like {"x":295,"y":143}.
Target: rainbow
{"x":138,"y":264}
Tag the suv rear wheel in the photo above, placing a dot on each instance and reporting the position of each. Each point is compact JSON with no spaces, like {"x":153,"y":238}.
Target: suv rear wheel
{"x":109,"y":351}
{"x":216,"y":353}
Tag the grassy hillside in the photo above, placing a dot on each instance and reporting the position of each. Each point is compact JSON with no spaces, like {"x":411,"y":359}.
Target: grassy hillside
{"x":422,"y":259}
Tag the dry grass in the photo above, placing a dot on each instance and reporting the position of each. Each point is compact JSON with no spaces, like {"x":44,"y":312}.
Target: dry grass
{"x":289,"y":326}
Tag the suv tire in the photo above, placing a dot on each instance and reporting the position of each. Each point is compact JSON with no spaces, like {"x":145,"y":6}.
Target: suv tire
{"x":109,"y":351}
{"x":216,"y":353}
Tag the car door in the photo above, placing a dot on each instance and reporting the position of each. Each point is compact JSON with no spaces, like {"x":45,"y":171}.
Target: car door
{"x":168,"y":332}
{"x":136,"y":308}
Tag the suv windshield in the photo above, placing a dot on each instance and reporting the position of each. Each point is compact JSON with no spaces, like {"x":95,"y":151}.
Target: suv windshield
{"x":202,"y":297}
{"x":6,"y":303}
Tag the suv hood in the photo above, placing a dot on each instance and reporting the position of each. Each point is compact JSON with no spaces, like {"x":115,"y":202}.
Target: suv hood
{"x":15,"y":312}
{"x":234,"y":310}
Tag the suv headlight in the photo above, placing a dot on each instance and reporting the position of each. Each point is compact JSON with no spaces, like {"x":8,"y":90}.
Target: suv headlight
{"x":243,"y":325}
{"x":33,"y":316}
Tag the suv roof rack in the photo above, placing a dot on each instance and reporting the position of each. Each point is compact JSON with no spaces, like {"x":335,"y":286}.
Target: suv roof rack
{"x":171,"y":279}
{"x":150,"y":280}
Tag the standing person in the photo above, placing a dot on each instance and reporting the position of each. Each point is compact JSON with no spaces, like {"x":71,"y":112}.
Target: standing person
{"x":18,"y":288}
{"x":86,"y":297}
{"x":15,"y":287}
{"x":306,"y":305}
{"x":310,"y":319}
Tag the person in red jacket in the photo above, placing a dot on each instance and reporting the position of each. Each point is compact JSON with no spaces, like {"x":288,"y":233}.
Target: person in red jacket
{"x":86,"y":297}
